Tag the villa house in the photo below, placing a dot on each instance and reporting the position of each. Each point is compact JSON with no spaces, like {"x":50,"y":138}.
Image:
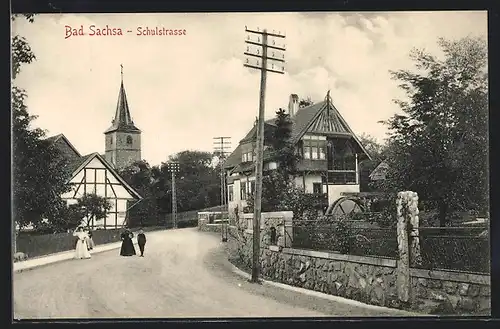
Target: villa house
{"x":330,"y":153}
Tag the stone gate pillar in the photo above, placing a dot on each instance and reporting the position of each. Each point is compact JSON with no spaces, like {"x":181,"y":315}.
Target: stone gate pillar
{"x":403,"y":264}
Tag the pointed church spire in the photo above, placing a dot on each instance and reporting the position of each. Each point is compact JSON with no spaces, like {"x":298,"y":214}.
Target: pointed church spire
{"x":123,"y":119}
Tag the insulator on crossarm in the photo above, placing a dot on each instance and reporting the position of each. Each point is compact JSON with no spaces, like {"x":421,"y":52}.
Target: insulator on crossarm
{"x":247,"y":60}
{"x":274,"y":42}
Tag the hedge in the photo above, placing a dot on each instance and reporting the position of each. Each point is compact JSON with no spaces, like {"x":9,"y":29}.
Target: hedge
{"x":46,"y":244}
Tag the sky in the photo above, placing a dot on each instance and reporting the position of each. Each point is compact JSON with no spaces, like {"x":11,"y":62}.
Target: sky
{"x":184,"y":90}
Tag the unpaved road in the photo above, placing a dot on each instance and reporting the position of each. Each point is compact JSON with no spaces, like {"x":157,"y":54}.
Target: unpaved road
{"x":184,"y":274}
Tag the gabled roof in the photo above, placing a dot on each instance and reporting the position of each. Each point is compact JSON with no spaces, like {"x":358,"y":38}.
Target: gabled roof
{"x":54,"y":139}
{"x":379,"y":172}
{"x":76,"y":163}
{"x":78,"y":166}
{"x":123,"y":119}
{"x":322,"y":117}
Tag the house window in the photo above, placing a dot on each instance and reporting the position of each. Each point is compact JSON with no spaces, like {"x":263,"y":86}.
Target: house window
{"x":129,"y":140}
{"x":342,"y":163}
{"x":314,"y":149}
{"x":243,"y":191}
{"x":317,"y":188}
{"x":252,"y":187}
{"x":247,"y":156}
{"x":230,"y":192}
{"x":307,"y":152}
{"x":344,"y":157}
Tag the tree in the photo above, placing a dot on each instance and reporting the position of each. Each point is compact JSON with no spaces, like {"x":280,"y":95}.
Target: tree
{"x":373,"y":147}
{"x":145,"y":180}
{"x":39,"y":173}
{"x":440,"y":141}
{"x":278,"y":194}
{"x":93,"y":207}
{"x":305,"y":102}
{"x":377,"y":153}
{"x":197,"y":186}
{"x":66,"y":219}
{"x":198,"y":181}
{"x":283,"y":150}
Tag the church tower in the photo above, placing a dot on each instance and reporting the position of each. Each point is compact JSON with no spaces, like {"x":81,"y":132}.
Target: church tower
{"x":123,"y":138}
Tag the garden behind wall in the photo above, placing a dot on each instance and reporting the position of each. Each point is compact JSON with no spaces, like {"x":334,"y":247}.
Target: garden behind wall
{"x":428,"y":270}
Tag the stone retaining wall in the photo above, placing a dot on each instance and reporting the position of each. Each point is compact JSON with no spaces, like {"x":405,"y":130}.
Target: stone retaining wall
{"x":444,"y":292}
{"x":370,"y":280}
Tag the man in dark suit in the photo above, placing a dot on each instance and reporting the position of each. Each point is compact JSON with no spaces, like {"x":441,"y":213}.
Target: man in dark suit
{"x":141,"y":241}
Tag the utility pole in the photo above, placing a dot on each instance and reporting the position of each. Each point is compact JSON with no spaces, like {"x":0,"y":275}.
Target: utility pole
{"x":258,"y":59}
{"x":173,"y":167}
{"x":221,"y":144}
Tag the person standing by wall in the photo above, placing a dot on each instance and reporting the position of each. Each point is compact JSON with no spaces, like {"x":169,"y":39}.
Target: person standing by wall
{"x":81,"y":250}
{"x":127,"y":248}
{"x":90,"y":241}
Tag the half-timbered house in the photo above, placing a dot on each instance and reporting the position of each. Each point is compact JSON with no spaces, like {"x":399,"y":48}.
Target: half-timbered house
{"x":98,"y":174}
{"x":92,"y":174}
{"x":330,"y":153}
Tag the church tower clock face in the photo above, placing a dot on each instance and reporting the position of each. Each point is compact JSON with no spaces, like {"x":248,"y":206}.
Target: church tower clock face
{"x":123,"y":138}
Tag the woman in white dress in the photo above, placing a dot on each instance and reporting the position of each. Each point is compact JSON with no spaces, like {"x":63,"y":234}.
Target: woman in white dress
{"x":81,"y":250}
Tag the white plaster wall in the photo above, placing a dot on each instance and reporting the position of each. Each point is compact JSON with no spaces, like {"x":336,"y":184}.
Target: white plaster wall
{"x":310,"y":180}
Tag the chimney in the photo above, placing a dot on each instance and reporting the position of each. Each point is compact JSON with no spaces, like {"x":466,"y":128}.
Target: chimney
{"x":293,"y":104}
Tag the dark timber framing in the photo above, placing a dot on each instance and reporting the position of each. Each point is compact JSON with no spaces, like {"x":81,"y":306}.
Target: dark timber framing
{"x":87,"y":173}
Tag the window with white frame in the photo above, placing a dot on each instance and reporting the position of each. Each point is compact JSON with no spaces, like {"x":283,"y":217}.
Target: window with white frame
{"x":230,"y":193}
{"x":314,"y":147}
{"x":247,"y":156}
{"x":243,"y":191}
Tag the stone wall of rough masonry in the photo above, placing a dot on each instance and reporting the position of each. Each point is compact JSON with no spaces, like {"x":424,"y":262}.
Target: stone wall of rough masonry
{"x":365,"y":279}
{"x":443,"y":292}
{"x":370,"y":280}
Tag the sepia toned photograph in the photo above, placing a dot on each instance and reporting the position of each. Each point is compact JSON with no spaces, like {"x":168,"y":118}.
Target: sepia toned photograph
{"x":250,"y":165}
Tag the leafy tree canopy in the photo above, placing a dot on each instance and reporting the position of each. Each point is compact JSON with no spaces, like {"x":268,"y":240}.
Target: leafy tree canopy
{"x":39,"y":174}
{"x":439,"y":143}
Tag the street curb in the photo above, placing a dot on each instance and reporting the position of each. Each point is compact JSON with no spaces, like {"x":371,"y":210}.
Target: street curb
{"x":69,"y":255}
{"x":326,"y":296}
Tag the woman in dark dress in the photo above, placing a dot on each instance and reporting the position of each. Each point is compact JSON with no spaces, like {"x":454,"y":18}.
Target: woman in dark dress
{"x":127,"y":244}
